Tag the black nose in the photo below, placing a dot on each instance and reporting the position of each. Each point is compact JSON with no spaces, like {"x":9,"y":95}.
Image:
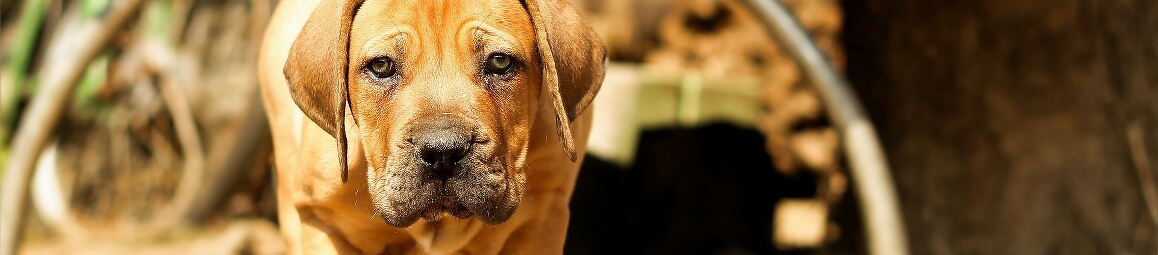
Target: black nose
{"x":442,"y":144}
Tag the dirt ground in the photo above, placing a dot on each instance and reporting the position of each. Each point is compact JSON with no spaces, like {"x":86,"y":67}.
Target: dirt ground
{"x":1005,"y":121}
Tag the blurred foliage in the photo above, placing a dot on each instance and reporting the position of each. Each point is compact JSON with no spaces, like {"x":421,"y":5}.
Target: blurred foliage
{"x":29,"y":27}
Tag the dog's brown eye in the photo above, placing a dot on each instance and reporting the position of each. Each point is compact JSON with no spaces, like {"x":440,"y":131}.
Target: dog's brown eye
{"x":382,"y":67}
{"x":499,"y":63}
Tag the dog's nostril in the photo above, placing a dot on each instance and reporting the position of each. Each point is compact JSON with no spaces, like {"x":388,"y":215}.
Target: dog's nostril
{"x":445,"y":154}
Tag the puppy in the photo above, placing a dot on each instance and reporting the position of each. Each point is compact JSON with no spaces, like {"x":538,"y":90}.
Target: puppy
{"x":428,"y":127}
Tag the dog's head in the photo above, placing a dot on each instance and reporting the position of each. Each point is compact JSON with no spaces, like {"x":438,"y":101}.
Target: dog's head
{"x":444,"y":93}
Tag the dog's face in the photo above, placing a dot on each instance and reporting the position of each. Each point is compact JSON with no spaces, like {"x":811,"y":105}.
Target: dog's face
{"x":444,"y":93}
{"x":444,"y":96}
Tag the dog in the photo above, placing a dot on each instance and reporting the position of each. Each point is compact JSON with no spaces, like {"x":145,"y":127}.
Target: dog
{"x":428,"y":127}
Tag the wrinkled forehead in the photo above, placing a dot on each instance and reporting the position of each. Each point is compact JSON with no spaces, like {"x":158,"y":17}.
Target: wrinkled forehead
{"x":434,"y":19}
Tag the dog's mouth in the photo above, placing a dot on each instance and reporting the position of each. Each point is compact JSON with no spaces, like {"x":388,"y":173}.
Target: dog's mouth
{"x":443,"y":205}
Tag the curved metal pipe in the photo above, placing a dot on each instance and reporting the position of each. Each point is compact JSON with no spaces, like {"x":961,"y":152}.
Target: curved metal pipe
{"x":870,"y":172}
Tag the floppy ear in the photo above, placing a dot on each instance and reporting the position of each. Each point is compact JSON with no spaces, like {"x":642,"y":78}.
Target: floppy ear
{"x":316,"y":69}
{"x":573,"y":59}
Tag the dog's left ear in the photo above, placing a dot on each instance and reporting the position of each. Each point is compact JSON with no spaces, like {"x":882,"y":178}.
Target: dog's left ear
{"x":316,"y":69}
{"x":573,"y":59}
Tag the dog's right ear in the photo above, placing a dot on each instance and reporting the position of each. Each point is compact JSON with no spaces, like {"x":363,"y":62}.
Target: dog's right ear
{"x":316,"y":69}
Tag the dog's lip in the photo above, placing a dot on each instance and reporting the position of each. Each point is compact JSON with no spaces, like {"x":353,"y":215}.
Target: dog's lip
{"x":436,"y":212}
{"x":444,"y":203}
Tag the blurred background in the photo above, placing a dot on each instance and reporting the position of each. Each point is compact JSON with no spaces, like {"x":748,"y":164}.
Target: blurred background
{"x":1009,"y":126}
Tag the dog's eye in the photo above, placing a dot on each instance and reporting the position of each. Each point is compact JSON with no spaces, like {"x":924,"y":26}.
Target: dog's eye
{"x":499,"y":63}
{"x":382,"y":67}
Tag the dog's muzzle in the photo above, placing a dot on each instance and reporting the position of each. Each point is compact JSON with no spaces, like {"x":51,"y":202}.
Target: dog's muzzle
{"x":444,"y":166}
{"x":442,"y":145}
